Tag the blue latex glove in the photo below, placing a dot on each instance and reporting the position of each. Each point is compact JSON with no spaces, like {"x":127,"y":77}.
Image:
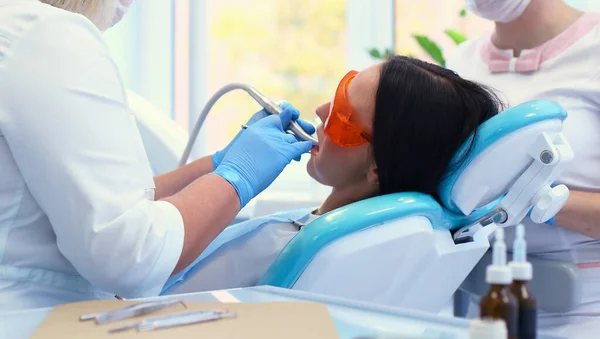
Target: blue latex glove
{"x":259,"y":155}
{"x":306,"y":126}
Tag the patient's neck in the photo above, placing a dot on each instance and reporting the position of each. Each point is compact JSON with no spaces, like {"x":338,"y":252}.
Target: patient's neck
{"x":342,"y":196}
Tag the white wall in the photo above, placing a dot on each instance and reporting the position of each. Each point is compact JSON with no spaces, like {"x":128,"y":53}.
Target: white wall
{"x":142,"y":47}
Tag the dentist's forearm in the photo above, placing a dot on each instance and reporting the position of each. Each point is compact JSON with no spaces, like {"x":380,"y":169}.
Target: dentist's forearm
{"x":581,"y":214}
{"x":207,"y":206}
{"x":172,"y":182}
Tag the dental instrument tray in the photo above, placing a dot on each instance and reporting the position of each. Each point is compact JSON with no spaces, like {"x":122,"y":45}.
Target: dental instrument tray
{"x":173,"y":318}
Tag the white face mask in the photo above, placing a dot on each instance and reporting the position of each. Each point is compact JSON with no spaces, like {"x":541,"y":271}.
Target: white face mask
{"x":122,"y":7}
{"x":497,"y":10}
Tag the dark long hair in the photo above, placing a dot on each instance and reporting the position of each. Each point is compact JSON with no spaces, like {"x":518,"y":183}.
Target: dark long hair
{"x":423,"y":114}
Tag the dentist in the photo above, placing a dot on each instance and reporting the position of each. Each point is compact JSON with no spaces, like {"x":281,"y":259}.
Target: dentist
{"x":545,"y":49}
{"x":81,"y":215}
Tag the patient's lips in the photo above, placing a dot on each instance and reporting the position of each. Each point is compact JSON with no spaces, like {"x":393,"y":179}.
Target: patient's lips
{"x":314,"y":150}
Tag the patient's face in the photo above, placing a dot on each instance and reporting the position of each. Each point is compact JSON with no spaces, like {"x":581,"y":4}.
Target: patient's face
{"x":337,"y":166}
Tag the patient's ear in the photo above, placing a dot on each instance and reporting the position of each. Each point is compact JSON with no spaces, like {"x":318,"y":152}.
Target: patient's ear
{"x":373,"y":175}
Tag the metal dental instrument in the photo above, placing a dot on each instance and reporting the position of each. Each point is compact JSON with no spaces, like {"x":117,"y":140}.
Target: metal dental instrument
{"x":130,"y":311}
{"x":174,"y":320}
{"x":270,"y":106}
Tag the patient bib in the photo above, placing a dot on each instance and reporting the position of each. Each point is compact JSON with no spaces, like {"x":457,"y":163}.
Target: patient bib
{"x":240,"y":255}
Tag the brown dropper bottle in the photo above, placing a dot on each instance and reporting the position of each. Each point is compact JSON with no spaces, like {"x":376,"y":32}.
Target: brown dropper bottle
{"x":522,"y":273}
{"x":499,"y":303}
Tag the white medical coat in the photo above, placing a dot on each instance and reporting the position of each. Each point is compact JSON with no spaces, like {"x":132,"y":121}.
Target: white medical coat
{"x":78,"y":218}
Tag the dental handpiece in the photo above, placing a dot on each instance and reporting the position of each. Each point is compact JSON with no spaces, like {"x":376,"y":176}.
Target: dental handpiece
{"x":269,"y":106}
{"x":272,"y":108}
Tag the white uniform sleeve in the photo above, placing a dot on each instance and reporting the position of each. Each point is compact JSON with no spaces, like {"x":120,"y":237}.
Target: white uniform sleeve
{"x":81,"y":155}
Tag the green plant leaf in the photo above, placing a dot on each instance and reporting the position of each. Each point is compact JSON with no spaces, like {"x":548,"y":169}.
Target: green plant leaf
{"x":458,"y":38}
{"x":432,"y":48}
{"x":374,"y":52}
{"x":381,"y":55}
{"x":462,"y":13}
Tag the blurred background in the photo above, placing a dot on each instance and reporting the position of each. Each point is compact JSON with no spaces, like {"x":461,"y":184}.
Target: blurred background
{"x":177,"y":53}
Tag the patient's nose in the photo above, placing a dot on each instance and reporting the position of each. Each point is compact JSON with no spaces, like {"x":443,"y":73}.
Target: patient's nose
{"x":323,"y":111}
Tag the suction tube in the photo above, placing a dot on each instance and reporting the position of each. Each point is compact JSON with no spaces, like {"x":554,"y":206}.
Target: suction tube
{"x":269,"y":106}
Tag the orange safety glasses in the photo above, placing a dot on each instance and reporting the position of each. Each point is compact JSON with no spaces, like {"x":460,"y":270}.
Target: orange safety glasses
{"x":339,"y":127}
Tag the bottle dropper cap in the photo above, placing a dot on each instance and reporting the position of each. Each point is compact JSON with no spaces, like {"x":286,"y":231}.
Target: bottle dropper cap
{"x":498,"y":273}
{"x":520,"y":267}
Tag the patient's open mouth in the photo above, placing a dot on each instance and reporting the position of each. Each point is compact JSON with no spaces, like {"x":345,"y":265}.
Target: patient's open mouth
{"x":314,"y":150}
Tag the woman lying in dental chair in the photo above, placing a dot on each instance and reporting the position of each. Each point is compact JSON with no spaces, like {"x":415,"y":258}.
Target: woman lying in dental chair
{"x":393,"y":127}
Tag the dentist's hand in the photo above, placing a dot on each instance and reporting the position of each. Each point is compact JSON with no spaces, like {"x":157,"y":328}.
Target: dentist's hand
{"x":306,"y":126}
{"x":259,"y":155}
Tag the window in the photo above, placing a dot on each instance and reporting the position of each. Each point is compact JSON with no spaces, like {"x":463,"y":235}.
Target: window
{"x":430,"y":19}
{"x":141,"y":44}
{"x":292,"y":50}
{"x":289,"y":50}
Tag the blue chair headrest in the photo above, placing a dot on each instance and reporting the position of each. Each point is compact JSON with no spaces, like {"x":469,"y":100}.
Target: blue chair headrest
{"x":490,"y":133}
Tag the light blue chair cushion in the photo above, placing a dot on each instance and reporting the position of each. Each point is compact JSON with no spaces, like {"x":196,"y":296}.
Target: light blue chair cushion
{"x":361,"y":215}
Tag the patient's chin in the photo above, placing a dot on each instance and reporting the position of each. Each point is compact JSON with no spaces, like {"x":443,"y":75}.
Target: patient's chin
{"x":312,"y":171}
{"x":310,"y":168}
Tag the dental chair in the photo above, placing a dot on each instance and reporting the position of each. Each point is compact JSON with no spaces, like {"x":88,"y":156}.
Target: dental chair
{"x":407,"y":249}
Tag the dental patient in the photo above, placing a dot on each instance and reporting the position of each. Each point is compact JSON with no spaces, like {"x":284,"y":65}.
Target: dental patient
{"x":393,"y":127}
